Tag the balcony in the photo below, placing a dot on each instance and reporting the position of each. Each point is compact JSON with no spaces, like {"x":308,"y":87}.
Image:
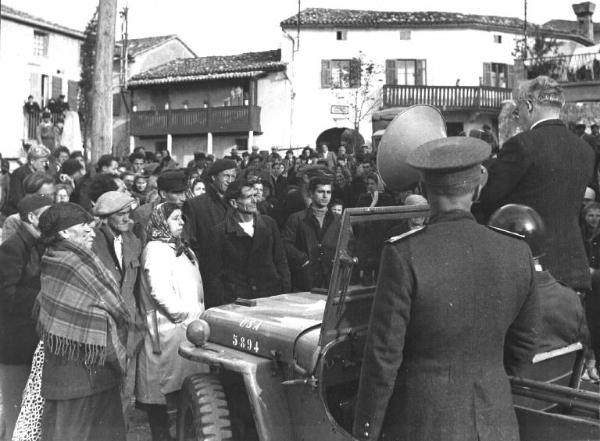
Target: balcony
{"x":32,"y":120}
{"x":231,"y":119}
{"x":447,"y":98}
{"x":579,"y":74}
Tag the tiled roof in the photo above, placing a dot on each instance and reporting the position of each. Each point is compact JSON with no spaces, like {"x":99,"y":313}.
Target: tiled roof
{"x":566,"y":26}
{"x":349,"y":18}
{"x":210,"y":68}
{"x":137,"y":46}
{"x":23,"y":17}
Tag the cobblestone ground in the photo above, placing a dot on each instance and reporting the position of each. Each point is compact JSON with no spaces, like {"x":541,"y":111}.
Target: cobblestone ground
{"x":138,"y":429}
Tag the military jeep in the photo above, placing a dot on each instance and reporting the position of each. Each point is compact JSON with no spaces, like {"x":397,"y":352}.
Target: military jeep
{"x":287,"y":367}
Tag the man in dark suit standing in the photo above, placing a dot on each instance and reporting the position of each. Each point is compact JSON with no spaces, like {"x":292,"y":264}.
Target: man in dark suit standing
{"x":453,"y":300}
{"x":547,"y":168}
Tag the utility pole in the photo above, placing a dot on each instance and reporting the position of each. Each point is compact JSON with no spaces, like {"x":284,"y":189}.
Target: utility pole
{"x":525,"y":29}
{"x":101,"y":111}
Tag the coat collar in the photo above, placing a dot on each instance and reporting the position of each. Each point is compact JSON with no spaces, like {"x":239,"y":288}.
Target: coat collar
{"x":548,"y":122}
{"x":26,"y":236}
{"x":451,"y":216}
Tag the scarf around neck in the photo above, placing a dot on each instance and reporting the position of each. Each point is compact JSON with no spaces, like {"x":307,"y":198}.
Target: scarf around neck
{"x":80,"y":312}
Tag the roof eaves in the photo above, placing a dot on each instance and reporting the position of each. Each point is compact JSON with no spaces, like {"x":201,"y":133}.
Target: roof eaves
{"x":193,"y":78}
{"x":42,"y":24}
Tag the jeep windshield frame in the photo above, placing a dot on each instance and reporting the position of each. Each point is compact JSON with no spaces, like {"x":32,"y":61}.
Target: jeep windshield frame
{"x":348,"y":307}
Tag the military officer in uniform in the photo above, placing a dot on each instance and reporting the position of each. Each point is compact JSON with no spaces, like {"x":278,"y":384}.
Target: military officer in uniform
{"x":455,"y":309}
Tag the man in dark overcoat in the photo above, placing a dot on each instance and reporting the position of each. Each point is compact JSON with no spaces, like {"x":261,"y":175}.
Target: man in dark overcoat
{"x":453,"y":301}
{"x":205,"y":211}
{"x":247,"y":255}
{"x":20,"y":257}
{"x":120,"y":250}
{"x":310,"y":237}
{"x":547,"y":168}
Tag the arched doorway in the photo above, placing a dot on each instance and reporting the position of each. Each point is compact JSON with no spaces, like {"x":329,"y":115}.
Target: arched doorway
{"x":336,"y":136}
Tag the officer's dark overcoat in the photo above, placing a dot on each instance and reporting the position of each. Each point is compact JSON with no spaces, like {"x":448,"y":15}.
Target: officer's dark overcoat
{"x":446,"y":299}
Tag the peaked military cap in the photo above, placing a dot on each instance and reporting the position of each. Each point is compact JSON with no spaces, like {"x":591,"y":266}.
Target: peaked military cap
{"x":450,"y":162}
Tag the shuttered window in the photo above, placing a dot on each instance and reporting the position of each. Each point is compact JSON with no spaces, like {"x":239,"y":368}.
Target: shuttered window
{"x":340,"y":74}
{"x":406,"y":72}
{"x":56,"y":87}
{"x":73,"y":94}
{"x":497,"y":75}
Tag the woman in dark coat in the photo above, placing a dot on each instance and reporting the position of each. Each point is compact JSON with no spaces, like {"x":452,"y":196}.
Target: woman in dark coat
{"x":83,"y":322}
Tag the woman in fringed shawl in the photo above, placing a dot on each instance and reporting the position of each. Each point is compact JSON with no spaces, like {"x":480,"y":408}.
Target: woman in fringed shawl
{"x":83,"y":323}
{"x":171,"y":297}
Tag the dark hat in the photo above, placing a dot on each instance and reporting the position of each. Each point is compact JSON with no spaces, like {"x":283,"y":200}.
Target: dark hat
{"x":32,"y":202}
{"x":112,"y":202}
{"x":62,"y":216}
{"x":46,"y":114}
{"x":172,"y":180}
{"x":222,"y":165}
{"x":71,"y":166}
{"x":449,"y":162}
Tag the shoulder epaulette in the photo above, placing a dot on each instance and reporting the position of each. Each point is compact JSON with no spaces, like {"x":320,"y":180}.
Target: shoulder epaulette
{"x":395,"y":239}
{"x":506,"y":232}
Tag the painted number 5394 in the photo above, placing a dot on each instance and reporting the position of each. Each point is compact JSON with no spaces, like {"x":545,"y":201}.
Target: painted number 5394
{"x":245,"y":343}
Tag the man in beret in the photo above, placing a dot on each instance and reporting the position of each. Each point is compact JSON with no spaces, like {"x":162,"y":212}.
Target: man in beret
{"x":205,"y":211}
{"x":20,"y":257}
{"x":453,"y":299}
{"x":37,"y":160}
{"x":172,"y":187}
{"x":120,"y":250}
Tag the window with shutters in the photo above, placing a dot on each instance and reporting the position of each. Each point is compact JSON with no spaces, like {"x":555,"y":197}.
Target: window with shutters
{"x":340,"y":74}
{"x":56,"y":87}
{"x":40,"y":44}
{"x":406,"y":72}
{"x":497,"y":75}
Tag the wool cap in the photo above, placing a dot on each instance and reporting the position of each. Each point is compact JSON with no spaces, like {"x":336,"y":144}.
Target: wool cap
{"x":62,"y":216}
{"x":222,"y":165}
{"x":71,"y":166}
{"x":32,"y":202}
{"x":112,"y":202}
{"x":450,"y":162}
{"x":173,"y":181}
{"x":38,"y":151}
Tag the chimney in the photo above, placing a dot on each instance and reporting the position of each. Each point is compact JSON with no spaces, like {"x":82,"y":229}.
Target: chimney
{"x":584,"y":12}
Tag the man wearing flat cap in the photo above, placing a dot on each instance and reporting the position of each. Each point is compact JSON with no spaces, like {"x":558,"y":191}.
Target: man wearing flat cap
{"x":120,"y":250}
{"x":20,"y":257}
{"x":37,"y":161}
{"x":204,"y":212}
{"x":448,"y":297}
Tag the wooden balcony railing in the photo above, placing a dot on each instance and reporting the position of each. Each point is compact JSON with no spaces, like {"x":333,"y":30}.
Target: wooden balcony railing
{"x":447,"y":97}
{"x":196,"y":121}
{"x":32,"y":120}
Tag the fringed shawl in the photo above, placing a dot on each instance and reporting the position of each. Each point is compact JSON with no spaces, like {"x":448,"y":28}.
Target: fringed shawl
{"x":81,"y":314}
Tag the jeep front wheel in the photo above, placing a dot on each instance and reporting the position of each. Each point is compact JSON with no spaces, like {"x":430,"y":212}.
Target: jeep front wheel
{"x":203,"y":411}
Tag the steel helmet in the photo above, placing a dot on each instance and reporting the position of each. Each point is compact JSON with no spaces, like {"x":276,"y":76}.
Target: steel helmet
{"x":522,"y":220}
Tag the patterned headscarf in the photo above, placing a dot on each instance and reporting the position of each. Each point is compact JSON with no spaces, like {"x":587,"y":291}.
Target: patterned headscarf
{"x":158,"y":229}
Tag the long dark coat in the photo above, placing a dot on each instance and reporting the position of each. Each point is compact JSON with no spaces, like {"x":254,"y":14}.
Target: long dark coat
{"x":20,"y":257}
{"x":447,"y":299}
{"x":547,"y":168}
{"x":202,"y":213}
{"x":304,"y":241}
{"x":244,"y":266}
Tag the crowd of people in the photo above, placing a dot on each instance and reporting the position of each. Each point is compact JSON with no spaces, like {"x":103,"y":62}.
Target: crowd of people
{"x":102,"y":266}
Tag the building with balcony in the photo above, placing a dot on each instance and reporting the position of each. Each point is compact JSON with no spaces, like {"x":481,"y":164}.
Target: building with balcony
{"x":209,"y":104}
{"x":461,"y":63}
{"x":38,"y":58}
{"x":132,"y":57}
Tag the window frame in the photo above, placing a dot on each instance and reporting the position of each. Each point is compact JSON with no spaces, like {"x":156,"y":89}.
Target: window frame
{"x":341,"y":34}
{"x":419,"y":71}
{"x":40,"y":50}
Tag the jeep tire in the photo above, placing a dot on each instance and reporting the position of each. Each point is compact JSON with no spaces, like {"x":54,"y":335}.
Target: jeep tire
{"x":203,"y":410}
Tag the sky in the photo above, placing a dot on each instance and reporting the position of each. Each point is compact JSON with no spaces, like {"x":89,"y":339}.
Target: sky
{"x":214,"y":27}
